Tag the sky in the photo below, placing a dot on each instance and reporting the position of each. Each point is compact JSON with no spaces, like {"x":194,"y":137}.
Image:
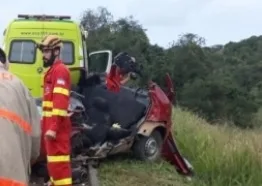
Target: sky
{"x":218,"y":21}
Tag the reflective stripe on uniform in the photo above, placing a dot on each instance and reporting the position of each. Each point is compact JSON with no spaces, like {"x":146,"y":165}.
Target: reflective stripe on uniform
{"x":55,"y":112}
{"x":16,"y":119}
{"x":59,"y":112}
{"x":48,"y":104}
{"x":59,"y":158}
{"x":65,"y":181}
{"x":47,"y":113}
{"x":60,"y":90}
{"x":10,"y":182}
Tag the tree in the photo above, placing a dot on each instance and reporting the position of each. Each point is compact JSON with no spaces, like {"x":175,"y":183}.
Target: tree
{"x":221,"y":82}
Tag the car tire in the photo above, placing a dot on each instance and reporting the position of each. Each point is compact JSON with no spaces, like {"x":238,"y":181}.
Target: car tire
{"x":148,"y":148}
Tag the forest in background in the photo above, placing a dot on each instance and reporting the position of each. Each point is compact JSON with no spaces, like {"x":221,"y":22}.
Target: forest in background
{"x":222,"y":83}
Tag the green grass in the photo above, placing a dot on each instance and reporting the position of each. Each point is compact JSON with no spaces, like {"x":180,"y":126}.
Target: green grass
{"x":126,"y":172}
{"x":221,"y":156}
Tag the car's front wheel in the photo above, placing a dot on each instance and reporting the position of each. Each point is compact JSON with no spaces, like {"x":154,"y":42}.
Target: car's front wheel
{"x":148,"y":148}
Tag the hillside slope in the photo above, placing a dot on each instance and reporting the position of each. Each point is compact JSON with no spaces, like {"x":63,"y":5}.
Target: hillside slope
{"x":221,"y":156}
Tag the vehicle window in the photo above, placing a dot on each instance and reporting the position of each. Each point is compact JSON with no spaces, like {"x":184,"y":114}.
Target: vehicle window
{"x":98,"y":62}
{"x":22,"y":51}
{"x":67,"y":53}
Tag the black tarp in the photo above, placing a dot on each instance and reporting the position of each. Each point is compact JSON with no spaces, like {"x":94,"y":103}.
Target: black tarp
{"x":123,"y":108}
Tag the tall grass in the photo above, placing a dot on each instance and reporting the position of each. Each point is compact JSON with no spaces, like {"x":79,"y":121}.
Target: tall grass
{"x":221,"y":156}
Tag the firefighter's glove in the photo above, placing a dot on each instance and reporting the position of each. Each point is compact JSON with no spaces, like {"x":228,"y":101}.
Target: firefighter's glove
{"x":50,"y":134}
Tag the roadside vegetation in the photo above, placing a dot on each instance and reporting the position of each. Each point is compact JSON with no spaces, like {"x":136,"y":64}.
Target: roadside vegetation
{"x":220,"y":83}
{"x":221,"y":156}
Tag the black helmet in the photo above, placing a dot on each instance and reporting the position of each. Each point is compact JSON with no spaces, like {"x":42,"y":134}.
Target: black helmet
{"x":2,"y":56}
{"x":123,"y":61}
{"x":127,"y":64}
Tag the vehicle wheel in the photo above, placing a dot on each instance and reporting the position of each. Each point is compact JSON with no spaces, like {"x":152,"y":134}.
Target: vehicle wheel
{"x":148,"y":148}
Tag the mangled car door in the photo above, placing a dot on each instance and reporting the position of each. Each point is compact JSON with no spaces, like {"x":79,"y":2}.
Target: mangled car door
{"x":170,"y":151}
{"x":171,"y":154}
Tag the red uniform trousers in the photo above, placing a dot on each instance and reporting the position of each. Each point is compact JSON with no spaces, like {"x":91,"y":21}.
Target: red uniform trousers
{"x":58,"y":155}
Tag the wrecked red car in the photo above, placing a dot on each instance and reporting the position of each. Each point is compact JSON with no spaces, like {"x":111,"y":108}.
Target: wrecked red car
{"x":106,"y":123}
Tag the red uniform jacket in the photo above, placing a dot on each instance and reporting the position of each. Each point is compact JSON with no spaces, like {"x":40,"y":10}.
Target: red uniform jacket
{"x":56,"y":98}
{"x":113,"y":79}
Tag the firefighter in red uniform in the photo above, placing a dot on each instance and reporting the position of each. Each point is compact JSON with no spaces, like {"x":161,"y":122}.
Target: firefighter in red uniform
{"x":117,"y":76}
{"x":56,"y":123}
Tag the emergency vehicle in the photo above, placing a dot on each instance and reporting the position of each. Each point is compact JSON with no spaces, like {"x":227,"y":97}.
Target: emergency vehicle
{"x":22,"y":34}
